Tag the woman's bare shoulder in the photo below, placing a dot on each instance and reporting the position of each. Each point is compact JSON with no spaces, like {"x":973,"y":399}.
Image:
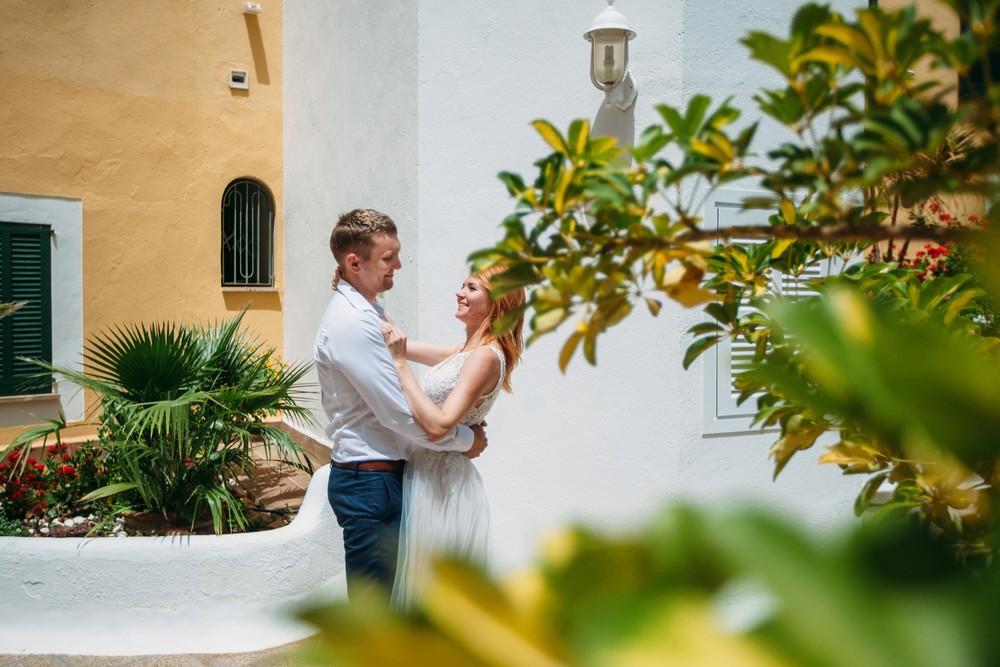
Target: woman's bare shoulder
{"x":484,"y":360}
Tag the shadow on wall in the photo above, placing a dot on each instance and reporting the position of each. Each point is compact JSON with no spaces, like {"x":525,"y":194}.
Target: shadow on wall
{"x":235,"y":301}
{"x":257,"y":49}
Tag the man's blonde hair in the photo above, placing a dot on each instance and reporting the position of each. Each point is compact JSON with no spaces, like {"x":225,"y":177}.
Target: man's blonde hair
{"x":356,"y":231}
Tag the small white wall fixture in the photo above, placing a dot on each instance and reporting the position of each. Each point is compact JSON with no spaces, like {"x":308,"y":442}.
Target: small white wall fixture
{"x":239,"y":79}
{"x":609,"y":35}
{"x":170,"y":595}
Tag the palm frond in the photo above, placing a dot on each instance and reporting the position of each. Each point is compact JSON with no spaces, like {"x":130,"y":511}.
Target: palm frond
{"x":8,"y":308}
{"x":143,"y":362}
{"x":22,"y":444}
{"x":288,"y":452}
{"x":108,"y":490}
{"x":222,"y":505}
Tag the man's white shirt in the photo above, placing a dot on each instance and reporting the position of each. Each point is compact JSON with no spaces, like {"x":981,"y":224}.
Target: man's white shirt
{"x":360,"y":389}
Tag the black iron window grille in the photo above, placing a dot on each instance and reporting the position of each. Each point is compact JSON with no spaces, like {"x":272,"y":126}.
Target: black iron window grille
{"x":247,"y":235}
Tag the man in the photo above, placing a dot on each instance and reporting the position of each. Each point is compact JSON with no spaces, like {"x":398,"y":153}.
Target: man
{"x":370,"y":423}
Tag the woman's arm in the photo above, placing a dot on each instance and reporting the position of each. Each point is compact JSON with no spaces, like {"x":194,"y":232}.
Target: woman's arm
{"x":480,"y":374}
{"x":429,"y":354}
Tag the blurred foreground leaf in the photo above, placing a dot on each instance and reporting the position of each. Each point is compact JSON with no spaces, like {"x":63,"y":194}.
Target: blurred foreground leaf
{"x":695,"y":588}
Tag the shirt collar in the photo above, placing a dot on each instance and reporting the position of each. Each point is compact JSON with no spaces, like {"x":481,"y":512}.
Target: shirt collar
{"x":356,"y":299}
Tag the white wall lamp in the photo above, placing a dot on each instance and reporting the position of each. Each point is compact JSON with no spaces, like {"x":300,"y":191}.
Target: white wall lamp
{"x":609,"y":35}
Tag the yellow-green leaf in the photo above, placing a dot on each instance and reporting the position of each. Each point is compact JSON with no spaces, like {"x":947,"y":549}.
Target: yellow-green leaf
{"x":788,"y":211}
{"x":780,"y":246}
{"x":569,"y":347}
{"x":467,"y":609}
{"x":831,"y":55}
{"x":561,"y":186}
{"x":956,"y":305}
{"x":849,"y":36}
{"x":551,"y":136}
{"x":709,"y":150}
{"x":549,"y":320}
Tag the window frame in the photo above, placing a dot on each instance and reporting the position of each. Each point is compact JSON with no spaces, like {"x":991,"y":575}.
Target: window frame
{"x":258,"y":241}
{"x":721,"y":415}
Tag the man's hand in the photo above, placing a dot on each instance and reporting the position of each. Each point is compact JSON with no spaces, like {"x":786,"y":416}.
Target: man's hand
{"x":478,"y":441}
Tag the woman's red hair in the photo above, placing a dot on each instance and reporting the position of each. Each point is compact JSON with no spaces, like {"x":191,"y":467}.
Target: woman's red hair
{"x":511,"y":342}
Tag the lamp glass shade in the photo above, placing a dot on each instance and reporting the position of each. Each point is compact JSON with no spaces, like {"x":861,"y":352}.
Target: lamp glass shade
{"x":609,"y":56}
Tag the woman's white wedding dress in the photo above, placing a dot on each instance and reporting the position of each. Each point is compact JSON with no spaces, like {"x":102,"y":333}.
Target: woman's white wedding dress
{"x":445,"y":511}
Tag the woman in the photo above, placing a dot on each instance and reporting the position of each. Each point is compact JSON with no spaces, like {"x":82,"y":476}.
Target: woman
{"x":445,"y":511}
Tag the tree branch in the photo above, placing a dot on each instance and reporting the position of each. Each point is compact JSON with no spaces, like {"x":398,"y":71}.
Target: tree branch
{"x":938,"y":234}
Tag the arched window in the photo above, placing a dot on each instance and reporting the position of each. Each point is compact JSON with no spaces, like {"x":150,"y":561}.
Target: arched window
{"x":247,"y":235}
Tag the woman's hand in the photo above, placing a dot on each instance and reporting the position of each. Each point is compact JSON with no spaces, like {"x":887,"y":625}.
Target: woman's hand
{"x":337,"y":275}
{"x":395,"y":339}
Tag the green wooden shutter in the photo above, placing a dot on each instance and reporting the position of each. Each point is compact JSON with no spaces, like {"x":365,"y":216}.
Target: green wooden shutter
{"x":25,"y":275}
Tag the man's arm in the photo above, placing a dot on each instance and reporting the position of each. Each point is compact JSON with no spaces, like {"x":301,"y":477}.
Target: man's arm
{"x":363,"y":357}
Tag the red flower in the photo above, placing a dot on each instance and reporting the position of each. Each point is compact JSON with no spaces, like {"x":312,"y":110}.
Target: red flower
{"x":934,"y":207}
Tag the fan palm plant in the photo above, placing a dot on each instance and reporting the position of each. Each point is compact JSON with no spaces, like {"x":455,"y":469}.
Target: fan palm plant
{"x":181,"y":409}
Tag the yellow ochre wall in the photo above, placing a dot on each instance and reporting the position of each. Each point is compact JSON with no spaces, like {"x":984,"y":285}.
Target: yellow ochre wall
{"x":125,"y":105}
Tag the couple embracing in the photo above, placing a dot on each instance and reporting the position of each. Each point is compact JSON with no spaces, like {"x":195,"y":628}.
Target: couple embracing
{"x":402,"y":481}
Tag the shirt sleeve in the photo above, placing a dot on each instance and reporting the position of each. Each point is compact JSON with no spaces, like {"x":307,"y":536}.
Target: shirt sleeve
{"x":362,"y":355}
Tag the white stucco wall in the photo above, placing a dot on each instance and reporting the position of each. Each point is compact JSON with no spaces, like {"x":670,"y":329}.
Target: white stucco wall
{"x":413,"y":107}
{"x":350,"y":112}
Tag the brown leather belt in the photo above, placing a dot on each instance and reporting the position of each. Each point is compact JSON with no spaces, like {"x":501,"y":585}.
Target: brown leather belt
{"x":378,"y":466}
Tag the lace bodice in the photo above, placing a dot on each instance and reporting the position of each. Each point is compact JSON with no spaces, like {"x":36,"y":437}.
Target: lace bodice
{"x":439,"y":382}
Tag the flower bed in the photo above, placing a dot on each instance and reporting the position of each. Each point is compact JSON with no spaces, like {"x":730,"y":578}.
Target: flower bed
{"x":42,"y":501}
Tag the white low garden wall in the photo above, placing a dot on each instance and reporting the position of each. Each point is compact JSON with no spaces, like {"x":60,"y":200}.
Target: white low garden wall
{"x":169,"y":595}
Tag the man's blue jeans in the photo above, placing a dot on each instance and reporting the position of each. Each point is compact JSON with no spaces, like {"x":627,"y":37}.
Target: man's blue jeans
{"x":368,"y":505}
